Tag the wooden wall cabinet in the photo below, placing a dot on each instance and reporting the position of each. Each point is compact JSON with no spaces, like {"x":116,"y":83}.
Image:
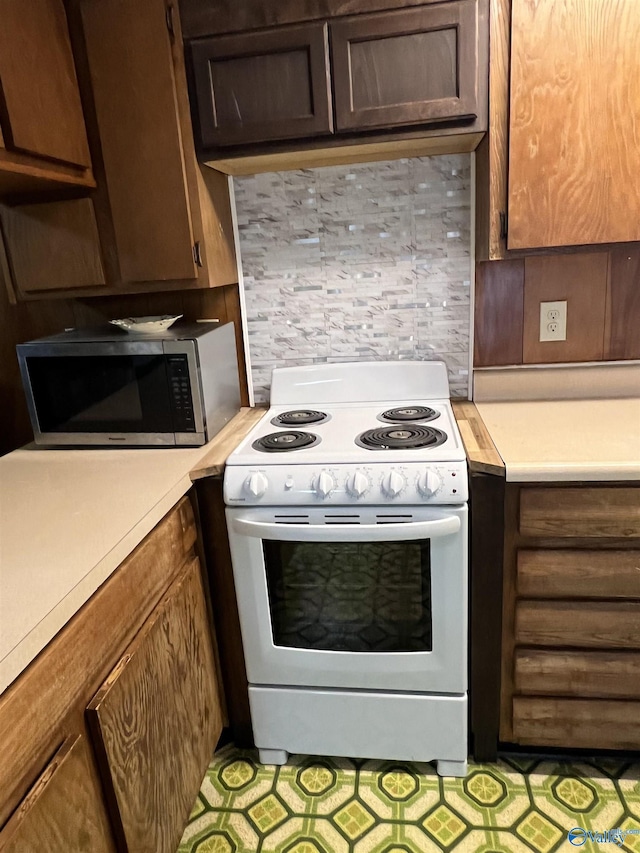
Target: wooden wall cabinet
{"x":406,"y":67}
{"x":255,"y":87}
{"x":139,"y":655}
{"x":43,"y":140}
{"x":394,"y":69}
{"x":157,"y":220}
{"x":560,"y":167}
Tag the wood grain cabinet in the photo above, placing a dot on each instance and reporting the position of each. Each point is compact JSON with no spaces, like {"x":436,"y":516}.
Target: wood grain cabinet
{"x":560,"y":167}
{"x":63,"y":810}
{"x":571,"y":617}
{"x":157,"y":220}
{"x":125,"y":698}
{"x":43,"y":140}
{"x":393,"y":69}
{"x":157,"y":718}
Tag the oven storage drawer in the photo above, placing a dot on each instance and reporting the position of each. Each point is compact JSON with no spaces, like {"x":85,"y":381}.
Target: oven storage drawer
{"x":576,"y":723}
{"x":609,"y":511}
{"x":410,"y":727}
{"x":568,"y":573}
{"x":581,"y":674}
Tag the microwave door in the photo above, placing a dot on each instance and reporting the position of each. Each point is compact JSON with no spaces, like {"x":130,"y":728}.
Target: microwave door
{"x":101,"y":398}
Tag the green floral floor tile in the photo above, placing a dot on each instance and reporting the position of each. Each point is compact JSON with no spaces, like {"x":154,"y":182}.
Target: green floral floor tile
{"x":335,"y":805}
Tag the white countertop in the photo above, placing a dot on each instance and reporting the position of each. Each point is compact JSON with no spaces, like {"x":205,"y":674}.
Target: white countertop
{"x":68,"y":518}
{"x":566,"y":440}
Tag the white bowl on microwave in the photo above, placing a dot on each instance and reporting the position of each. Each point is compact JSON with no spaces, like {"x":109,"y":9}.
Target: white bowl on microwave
{"x":146,"y":325}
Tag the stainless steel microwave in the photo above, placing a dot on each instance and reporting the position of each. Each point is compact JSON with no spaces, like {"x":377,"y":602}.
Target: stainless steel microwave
{"x":106,"y":387}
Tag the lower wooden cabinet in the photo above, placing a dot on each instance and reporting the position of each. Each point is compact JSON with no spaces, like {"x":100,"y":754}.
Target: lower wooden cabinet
{"x":126,"y":700}
{"x":64,"y":809}
{"x":585,"y":724}
{"x":157,"y":718}
{"x":570,"y":673}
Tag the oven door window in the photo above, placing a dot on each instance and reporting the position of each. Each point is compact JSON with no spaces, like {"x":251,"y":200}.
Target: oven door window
{"x":348,"y":596}
{"x":101,"y":393}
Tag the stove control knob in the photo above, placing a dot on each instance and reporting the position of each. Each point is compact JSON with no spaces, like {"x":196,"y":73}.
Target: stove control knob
{"x":323,"y":484}
{"x":357,"y":484}
{"x":393,"y":484}
{"x":256,"y":484}
{"x":429,"y":483}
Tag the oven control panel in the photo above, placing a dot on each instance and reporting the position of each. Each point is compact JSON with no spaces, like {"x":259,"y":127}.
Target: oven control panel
{"x":310,"y":485}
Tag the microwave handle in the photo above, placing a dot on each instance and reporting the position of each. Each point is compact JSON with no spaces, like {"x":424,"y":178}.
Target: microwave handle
{"x":434,"y":529}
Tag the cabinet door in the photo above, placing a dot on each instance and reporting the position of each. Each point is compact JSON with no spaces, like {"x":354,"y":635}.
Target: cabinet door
{"x":157,"y":718}
{"x":132,"y":74}
{"x":574,"y":119}
{"x":406,"y":67}
{"x":63,"y":810}
{"x":53,"y":246}
{"x":264,"y":85}
{"x":40,"y":109}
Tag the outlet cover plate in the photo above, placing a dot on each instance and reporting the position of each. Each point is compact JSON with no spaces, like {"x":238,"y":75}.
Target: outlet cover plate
{"x":553,"y":321}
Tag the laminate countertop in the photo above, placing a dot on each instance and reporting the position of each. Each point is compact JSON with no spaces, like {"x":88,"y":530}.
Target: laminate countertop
{"x":566,"y":440}
{"x":68,"y":518}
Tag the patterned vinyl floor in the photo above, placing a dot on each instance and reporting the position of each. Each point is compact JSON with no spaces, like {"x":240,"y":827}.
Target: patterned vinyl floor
{"x":319,"y":805}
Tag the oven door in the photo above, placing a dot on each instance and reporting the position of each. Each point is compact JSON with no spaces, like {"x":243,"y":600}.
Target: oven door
{"x":368,"y":598}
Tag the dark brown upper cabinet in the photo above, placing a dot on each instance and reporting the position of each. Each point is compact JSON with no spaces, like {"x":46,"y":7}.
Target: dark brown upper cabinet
{"x":406,"y":67}
{"x":260,"y":86}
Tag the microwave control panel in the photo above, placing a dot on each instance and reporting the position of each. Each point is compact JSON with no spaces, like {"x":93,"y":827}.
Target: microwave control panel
{"x":182,"y":402}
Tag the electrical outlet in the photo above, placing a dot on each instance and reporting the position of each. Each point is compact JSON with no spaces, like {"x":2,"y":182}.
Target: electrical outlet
{"x":553,"y":321}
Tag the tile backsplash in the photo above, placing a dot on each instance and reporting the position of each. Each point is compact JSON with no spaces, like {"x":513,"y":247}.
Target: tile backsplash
{"x":353,"y":263}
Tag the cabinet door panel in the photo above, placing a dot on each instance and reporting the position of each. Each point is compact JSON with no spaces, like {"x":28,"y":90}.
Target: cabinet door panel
{"x":405,"y":67}
{"x":157,"y":718}
{"x":132,"y":74}
{"x":547,"y":573}
{"x":259,"y":86}
{"x":589,"y":512}
{"x":53,"y":246}
{"x":63,"y":810}
{"x":574,"y":123}
{"x":578,"y":624}
{"x":576,"y":723}
{"x":40,"y":106}
{"x":605,"y":675}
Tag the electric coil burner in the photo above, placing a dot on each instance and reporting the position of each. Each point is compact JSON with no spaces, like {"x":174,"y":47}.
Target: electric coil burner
{"x":404,"y":437}
{"x":408,"y":413}
{"x":350,"y":567}
{"x":300,"y":417}
{"x":281,"y":442}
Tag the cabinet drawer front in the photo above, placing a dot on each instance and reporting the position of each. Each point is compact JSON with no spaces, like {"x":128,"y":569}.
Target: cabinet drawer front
{"x":583,"y":574}
{"x":405,"y":67}
{"x":63,"y":810}
{"x":260,"y":86}
{"x":578,"y":624}
{"x":605,"y":675}
{"x":588,"y":723}
{"x":588,"y":512}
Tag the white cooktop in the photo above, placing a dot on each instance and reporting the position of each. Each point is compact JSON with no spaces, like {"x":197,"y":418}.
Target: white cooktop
{"x":336,"y":468}
{"x":338,"y":437}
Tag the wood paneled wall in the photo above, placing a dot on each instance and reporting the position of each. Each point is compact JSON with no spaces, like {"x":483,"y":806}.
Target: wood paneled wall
{"x":28,"y":320}
{"x":602,"y":290}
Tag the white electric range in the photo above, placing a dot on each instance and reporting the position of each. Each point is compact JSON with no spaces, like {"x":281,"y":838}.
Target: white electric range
{"x":347,"y":517}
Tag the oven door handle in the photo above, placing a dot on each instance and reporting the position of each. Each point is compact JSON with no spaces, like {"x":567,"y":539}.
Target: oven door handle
{"x":393,"y":532}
